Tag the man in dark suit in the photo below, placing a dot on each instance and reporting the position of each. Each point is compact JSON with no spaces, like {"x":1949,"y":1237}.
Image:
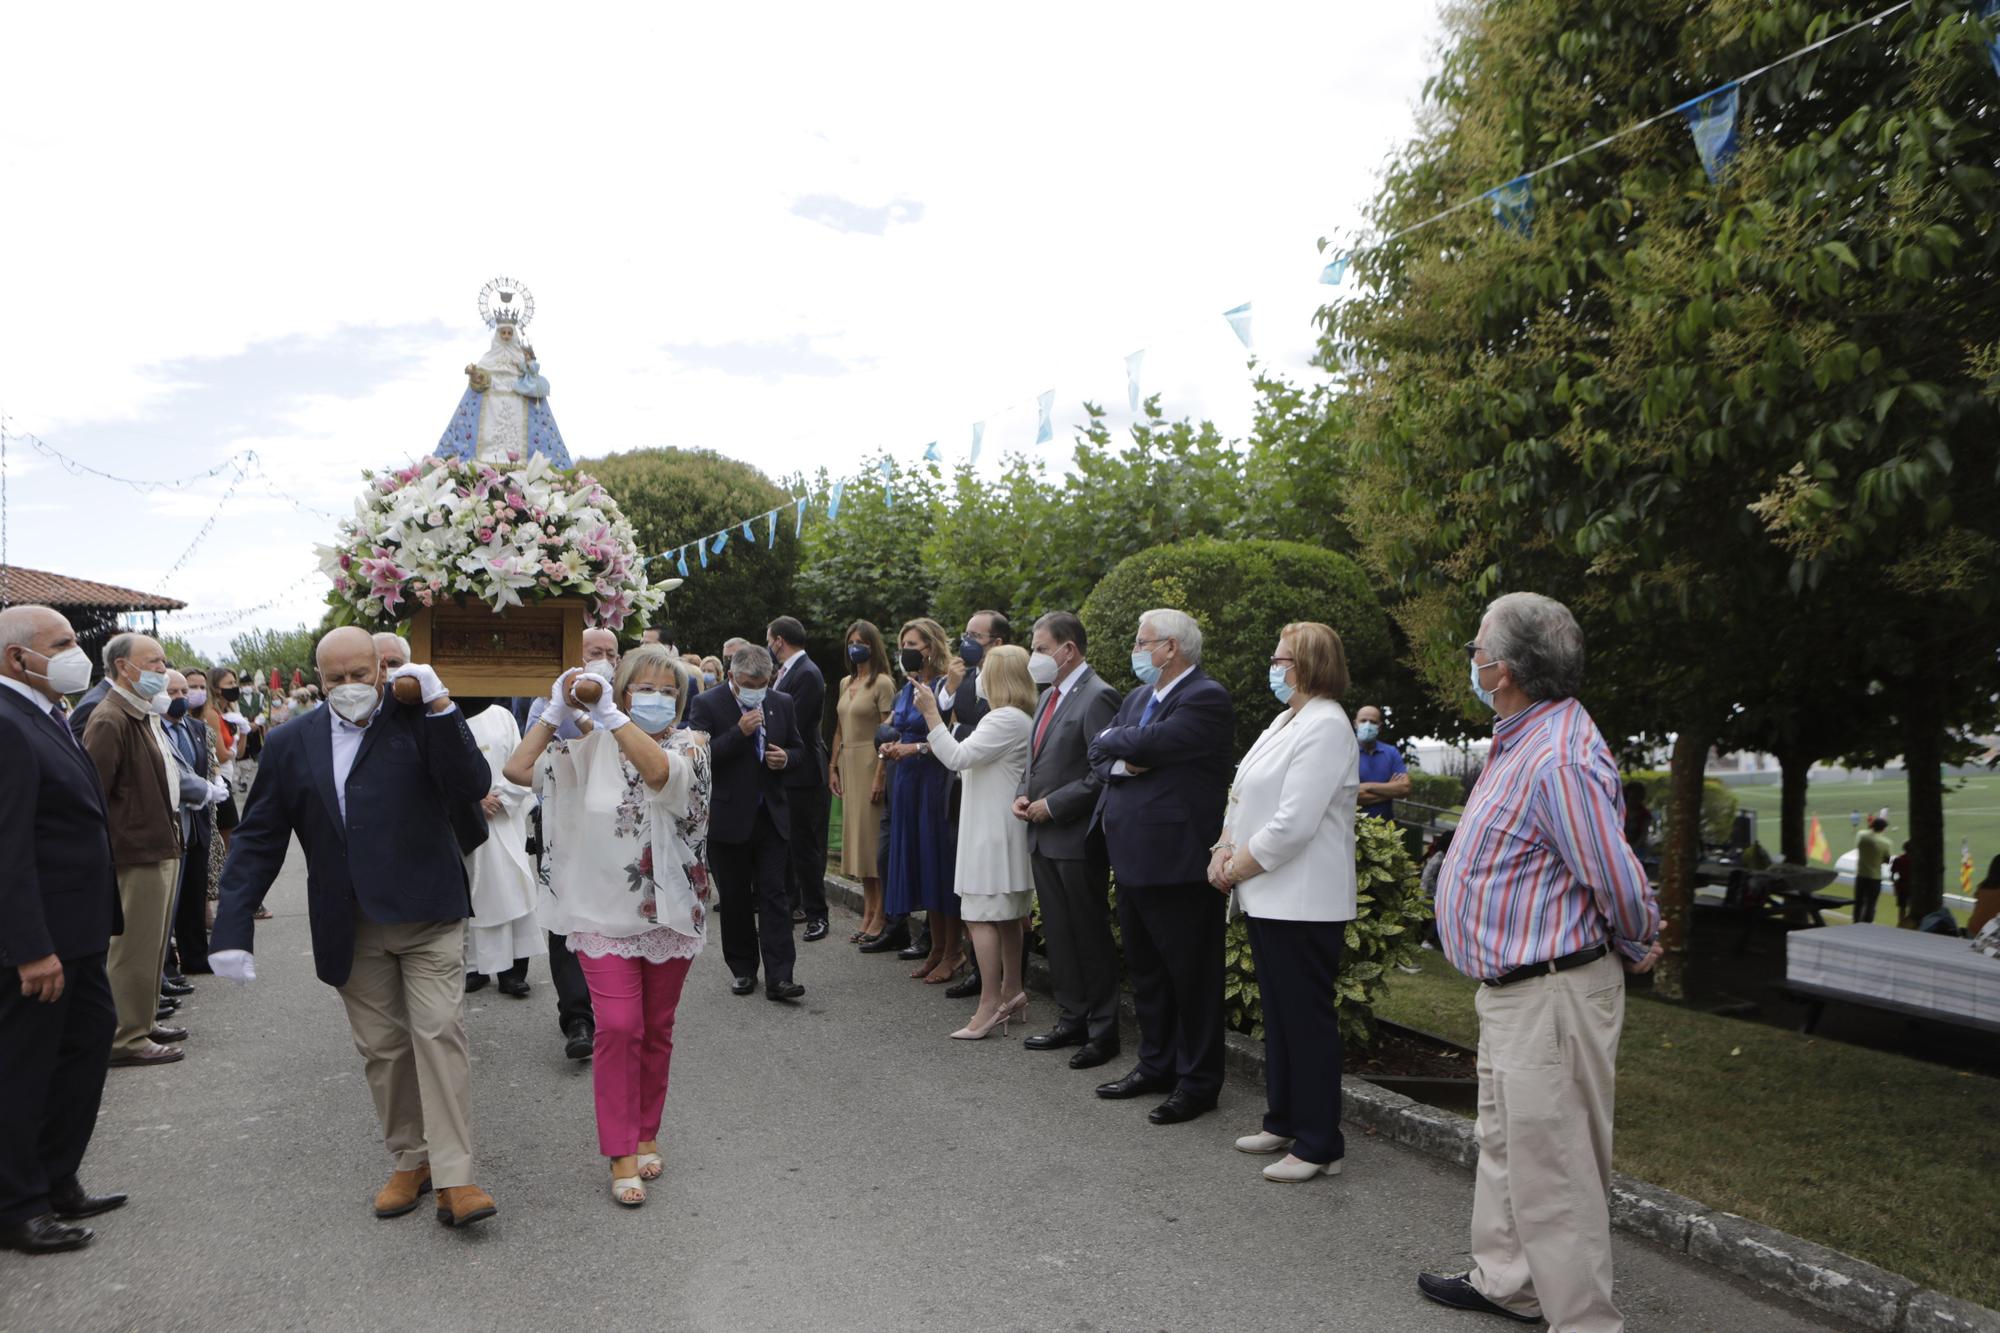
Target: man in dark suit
{"x":79,"y":716}
{"x":753,"y":739}
{"x":1165,"y":766}
{"x":806,"y":791}
{"x":366,"y":785}
{"x":58,"y":911}
{"x":1057,"y":798}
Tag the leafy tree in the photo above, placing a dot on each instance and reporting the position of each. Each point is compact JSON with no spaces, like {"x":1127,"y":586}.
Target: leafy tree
{"x":868,"y":563}
{"x":675,"y":496}
{"x":266,"y":648}
{"x":184,"y":654}
{"x":983,"y":551}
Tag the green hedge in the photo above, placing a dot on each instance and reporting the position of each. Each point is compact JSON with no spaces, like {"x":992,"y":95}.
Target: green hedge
{"x":1718,"y":803}
{"x":1446,"y":791}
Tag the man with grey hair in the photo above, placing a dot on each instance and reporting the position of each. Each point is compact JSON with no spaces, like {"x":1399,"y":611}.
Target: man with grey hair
{"x":753,"y":739}
{"x":1542,"y":899}
{"x":393,"y":651}
{"x":1165,"y":762}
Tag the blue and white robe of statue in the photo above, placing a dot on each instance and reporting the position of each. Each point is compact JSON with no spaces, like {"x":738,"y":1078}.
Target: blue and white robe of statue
{"x":511,"y":415}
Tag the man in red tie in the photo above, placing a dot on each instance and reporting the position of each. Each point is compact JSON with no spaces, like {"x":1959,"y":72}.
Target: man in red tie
{"x":1072,"y":871}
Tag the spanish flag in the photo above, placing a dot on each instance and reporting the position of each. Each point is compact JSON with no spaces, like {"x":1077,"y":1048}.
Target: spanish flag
{"x":1816,"y":845}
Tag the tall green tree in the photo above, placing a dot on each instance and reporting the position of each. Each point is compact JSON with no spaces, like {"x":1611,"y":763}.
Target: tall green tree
{"x":867,"y":563}
{"x":286,"y":649}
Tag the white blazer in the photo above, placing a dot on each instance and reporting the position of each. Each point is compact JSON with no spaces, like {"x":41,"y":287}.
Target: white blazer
{"x":1292,"y":808}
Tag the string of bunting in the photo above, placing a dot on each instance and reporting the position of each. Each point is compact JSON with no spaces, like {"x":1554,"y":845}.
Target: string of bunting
{"x":205,"y":622}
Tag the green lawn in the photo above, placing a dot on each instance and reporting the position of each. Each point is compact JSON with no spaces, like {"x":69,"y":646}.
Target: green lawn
{"x":1971,"y":813}
{"x":1892,"y":1160}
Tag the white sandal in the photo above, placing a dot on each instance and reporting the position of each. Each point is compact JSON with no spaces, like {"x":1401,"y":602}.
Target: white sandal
{"x":622,"y":1185}
{"x":654,"y":1161}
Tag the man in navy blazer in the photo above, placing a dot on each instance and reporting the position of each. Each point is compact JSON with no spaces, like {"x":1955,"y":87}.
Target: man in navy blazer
{"x":366,"y":785}
{"x":1165,"y":764}
{"x":753,"y":740}
{"x":58,"y":912}
{"x":811,"y":800}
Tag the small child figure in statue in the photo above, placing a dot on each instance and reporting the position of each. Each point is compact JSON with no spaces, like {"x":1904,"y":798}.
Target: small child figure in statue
{"x":504,"y":410}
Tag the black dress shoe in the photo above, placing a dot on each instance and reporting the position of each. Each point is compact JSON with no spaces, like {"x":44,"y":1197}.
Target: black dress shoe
{"x":514,"y":986}
{"x":1134,"y":1084}
{"x":475,"y":981}
{"x":798,"y":916}
{"x":67,"y":1199}
{"x":959,"y":990}
{"x":44,"y":1235}
{"x":889,"y":941}
{"x":920,"y":947}
{"x":167,"y":1034}
{"x":816,"y":930}
{"x":172,"y":988}
{"x":166,"y":1011}
{"x":1094,"y":1053}
{"x":1459,"y":1293}
{"x":1054,"y":1039}
{"x":580,"y":1039}
{"x":1179,"y":1108}
{"x":742,"y":985}
{"x":784,"y":990}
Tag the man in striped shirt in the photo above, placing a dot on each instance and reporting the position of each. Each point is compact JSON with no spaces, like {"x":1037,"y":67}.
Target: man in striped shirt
{"x":1542,"y":899}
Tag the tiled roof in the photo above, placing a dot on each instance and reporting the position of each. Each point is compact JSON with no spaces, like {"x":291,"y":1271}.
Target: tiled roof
{"x":59,"y":590}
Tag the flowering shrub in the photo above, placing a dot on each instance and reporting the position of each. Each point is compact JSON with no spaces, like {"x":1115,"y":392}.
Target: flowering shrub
{"x":504,"y":533}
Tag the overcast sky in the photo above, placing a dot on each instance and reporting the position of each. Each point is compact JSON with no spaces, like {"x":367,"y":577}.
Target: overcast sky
{"x":792,"y":234}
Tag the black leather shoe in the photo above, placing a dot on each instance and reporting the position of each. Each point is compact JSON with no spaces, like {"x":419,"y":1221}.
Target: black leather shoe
{"x":890,"y":940}
{"x":742,"y":985}
{"x":1134,"y":1084}
{"x":816,"y":930}
{"x":1094,"y":1053}
{"x":172,"y":988}
{"x":920,"y":947}
{"x":1054,"y":1039}
{"x":1459,"y":1293}
{"x":67,"y":1199}
{"x":959,"y":990}
{"x":166,"y":1010}
{"x":44,"y":1235}
{"x":167,"y":1034}
{"x":475,"y":981}
{"x":1179,"y":1108}
{"x":580,"y":1039}
{"x":514,"y":986}
{"x":784,"y":990}
{"x":798,"y":916}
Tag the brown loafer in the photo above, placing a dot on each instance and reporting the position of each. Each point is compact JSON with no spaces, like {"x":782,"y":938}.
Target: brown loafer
{"x":400,"y":1195}
{"x":151,"y":1053}
{"x":162,"y":1033}
{"x":462,"y":1205}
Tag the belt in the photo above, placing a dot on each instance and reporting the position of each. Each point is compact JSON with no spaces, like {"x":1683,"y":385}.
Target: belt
{"x":1554,"y":965}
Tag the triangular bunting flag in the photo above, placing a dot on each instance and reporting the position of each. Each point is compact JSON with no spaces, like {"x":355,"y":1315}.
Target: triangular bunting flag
{"x":931,"y":454}
{"x":683,"y":561}
{"x":701,"y":549}
{"x":1239,"y":319}
{"x":1132,"y":365}
{"x":1335,"y":270}
{"x":771,"y":521}
{"x":748,"y":535}
{"x":721,"y":540}
{"x":799,"y":523}
{"x":978,"y":441}
{"x":1045,"y":429}
{"x":888,"y":484}
{"x":833,"y":500}
{"x":1711,"y":120}
{"x":1514,"y":205}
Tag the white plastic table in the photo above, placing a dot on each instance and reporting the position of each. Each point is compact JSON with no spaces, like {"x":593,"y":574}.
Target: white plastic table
{"x":1904,"y":971}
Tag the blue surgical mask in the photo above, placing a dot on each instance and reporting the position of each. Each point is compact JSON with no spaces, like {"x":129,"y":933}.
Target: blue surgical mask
{"x":971,"y":650}
{"x":1280,"y":686}
{"x":653,"y":712}
{"x":752,"y":698}
{"x":1366,"y":732}
{"x":707,"y":679}
{"x":858,"y":653}
{"x":1142,"y":666}
{"x":1485,"y":695}
{"x":149,"y":684}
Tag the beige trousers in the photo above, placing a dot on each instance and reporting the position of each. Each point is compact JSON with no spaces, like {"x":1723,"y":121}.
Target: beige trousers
{"x":1541,"y":1220}
{"x":406,"y":1005}
{"x":146,"y":897}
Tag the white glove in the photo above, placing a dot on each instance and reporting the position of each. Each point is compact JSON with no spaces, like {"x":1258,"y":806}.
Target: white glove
{"x":606,"y":714}
{"x":434,"y":689}
{"x":236,"y":964}
{"x":217,"y":791}
{"x":236,"y":720}
{"x":559,"y":710}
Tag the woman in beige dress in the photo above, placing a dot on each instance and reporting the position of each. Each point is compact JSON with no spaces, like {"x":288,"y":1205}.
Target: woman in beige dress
{"x":866,"y":696}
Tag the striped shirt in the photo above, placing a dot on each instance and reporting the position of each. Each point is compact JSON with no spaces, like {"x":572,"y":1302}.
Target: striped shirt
{"x":1539,"y":866}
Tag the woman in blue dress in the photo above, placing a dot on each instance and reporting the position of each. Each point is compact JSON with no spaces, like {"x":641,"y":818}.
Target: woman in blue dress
{"x":922,"y":855}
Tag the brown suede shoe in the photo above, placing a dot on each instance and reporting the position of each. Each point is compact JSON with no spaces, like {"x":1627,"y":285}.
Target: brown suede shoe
{"x":400,"y":1195}
{"x":462,"y":1205}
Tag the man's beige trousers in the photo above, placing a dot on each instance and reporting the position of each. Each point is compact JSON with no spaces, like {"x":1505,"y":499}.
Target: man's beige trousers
{"x":146,"y":897}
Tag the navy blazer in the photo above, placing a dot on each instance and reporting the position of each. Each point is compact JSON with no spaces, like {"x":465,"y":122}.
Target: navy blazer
{"x":739,"y":778}
{"x":1159,"y":825}
{"x":58,"y":888}
{"x":394,"y":857}
{"x":806,"y":688}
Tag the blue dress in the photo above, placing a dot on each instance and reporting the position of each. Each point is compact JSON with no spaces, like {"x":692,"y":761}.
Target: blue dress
{"x":922,"y":850}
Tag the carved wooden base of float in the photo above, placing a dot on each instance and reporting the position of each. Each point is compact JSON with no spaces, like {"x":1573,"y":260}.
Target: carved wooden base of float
{"x":478,"y":651}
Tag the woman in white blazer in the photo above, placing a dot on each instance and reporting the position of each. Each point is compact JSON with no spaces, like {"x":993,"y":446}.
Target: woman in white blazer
{"x":993,"y":878}
{"x":1287,"y":852}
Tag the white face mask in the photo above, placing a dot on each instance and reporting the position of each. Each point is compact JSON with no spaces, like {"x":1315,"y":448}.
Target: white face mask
{"x":603,"y":668}
{"x":161,"y":702}
{"x":1042,"y":669}
{"x":69,"y":671}
{"x":979,"y":687}
{"x":356,"y":703}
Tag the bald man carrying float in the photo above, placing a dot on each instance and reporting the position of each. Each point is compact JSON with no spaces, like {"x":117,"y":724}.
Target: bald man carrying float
{"x":365,"y":785}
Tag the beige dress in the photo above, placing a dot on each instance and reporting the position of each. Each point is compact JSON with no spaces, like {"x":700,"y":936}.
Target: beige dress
{"x":862,"y":710}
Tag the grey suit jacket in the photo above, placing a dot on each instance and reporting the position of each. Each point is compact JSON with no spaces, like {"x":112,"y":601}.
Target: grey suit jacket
{"x":1059,"y":771}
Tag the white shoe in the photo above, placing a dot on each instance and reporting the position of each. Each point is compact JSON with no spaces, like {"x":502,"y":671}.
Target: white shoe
{"x":1262,"y":1143}
{"x":628,"y":1191}
{"x":1292,"y":1171}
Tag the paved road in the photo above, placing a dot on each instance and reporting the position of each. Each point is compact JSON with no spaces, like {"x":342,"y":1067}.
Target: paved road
{"x":838,"y":1166}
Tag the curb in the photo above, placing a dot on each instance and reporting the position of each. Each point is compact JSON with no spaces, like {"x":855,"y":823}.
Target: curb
{"x":1841,"y":1285}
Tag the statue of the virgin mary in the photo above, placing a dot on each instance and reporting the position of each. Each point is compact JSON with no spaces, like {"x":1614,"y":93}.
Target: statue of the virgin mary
{"x":505,"y":407}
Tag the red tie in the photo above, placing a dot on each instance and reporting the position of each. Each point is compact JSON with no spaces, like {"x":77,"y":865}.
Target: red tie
{"x":1048,"y":714}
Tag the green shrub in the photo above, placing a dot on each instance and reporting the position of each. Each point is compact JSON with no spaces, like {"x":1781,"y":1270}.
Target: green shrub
{"x":1242,"y":593}
{"x":1718,"y":803}
{"x":1385,"y":933}
{"x":1445,"y":791}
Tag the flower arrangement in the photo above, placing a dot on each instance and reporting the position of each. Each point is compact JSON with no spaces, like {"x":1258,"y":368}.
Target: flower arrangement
{"x":502,"y":532}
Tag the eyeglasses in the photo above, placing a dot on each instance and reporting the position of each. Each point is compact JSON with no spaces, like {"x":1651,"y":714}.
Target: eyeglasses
{"x":1148,"y":643}
{"x":1283,"y":661}
{"x":1472,"y":647}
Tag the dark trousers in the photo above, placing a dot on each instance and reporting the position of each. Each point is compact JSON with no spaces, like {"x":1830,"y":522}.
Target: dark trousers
{"x":806,"y":889}
{"x":572,"y":992}
{"x":1866,"y":891}
{"x":1297,"y":964}
{"x":1083,"y":958}
{"x":750,"y":885}
{"x":55,"y":1057}
{"x":1173,"y":948}
{"x":190,"y":922}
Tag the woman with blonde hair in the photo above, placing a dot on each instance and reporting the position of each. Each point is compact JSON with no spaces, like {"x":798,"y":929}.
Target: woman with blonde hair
{"x":856,"y":775}
{"x":921,"y":854}
{"x":992,"y":873}
{"x":625,"y":878}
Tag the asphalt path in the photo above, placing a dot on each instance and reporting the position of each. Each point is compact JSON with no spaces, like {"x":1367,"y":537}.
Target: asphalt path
{"x":839,"y":1164}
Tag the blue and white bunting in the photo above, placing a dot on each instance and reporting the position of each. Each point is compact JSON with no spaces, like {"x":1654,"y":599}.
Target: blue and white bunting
{"x":1514,"y":205}
{"x":1045,"y":428}
{"x":888,"y":484}
{"x":771,"y":526}
{"x":748,"y":535}
{"x":1711,"y":120}
{"x":682,"y":561}
{"x":701,"y":549}
{"x":1991,"y":13}
{"x":833,"y":500}
{"x":1335,"y":270}
{"x":931,"y":454}
{"x":1133,"y":363}
{"x":978,"y":441}
{"x":1239,"y":319}
{"x":722,"y":539}
{"x":799,"y":523}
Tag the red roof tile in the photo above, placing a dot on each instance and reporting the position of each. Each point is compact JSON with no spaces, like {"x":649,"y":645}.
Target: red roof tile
{"x":58,"y":590}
